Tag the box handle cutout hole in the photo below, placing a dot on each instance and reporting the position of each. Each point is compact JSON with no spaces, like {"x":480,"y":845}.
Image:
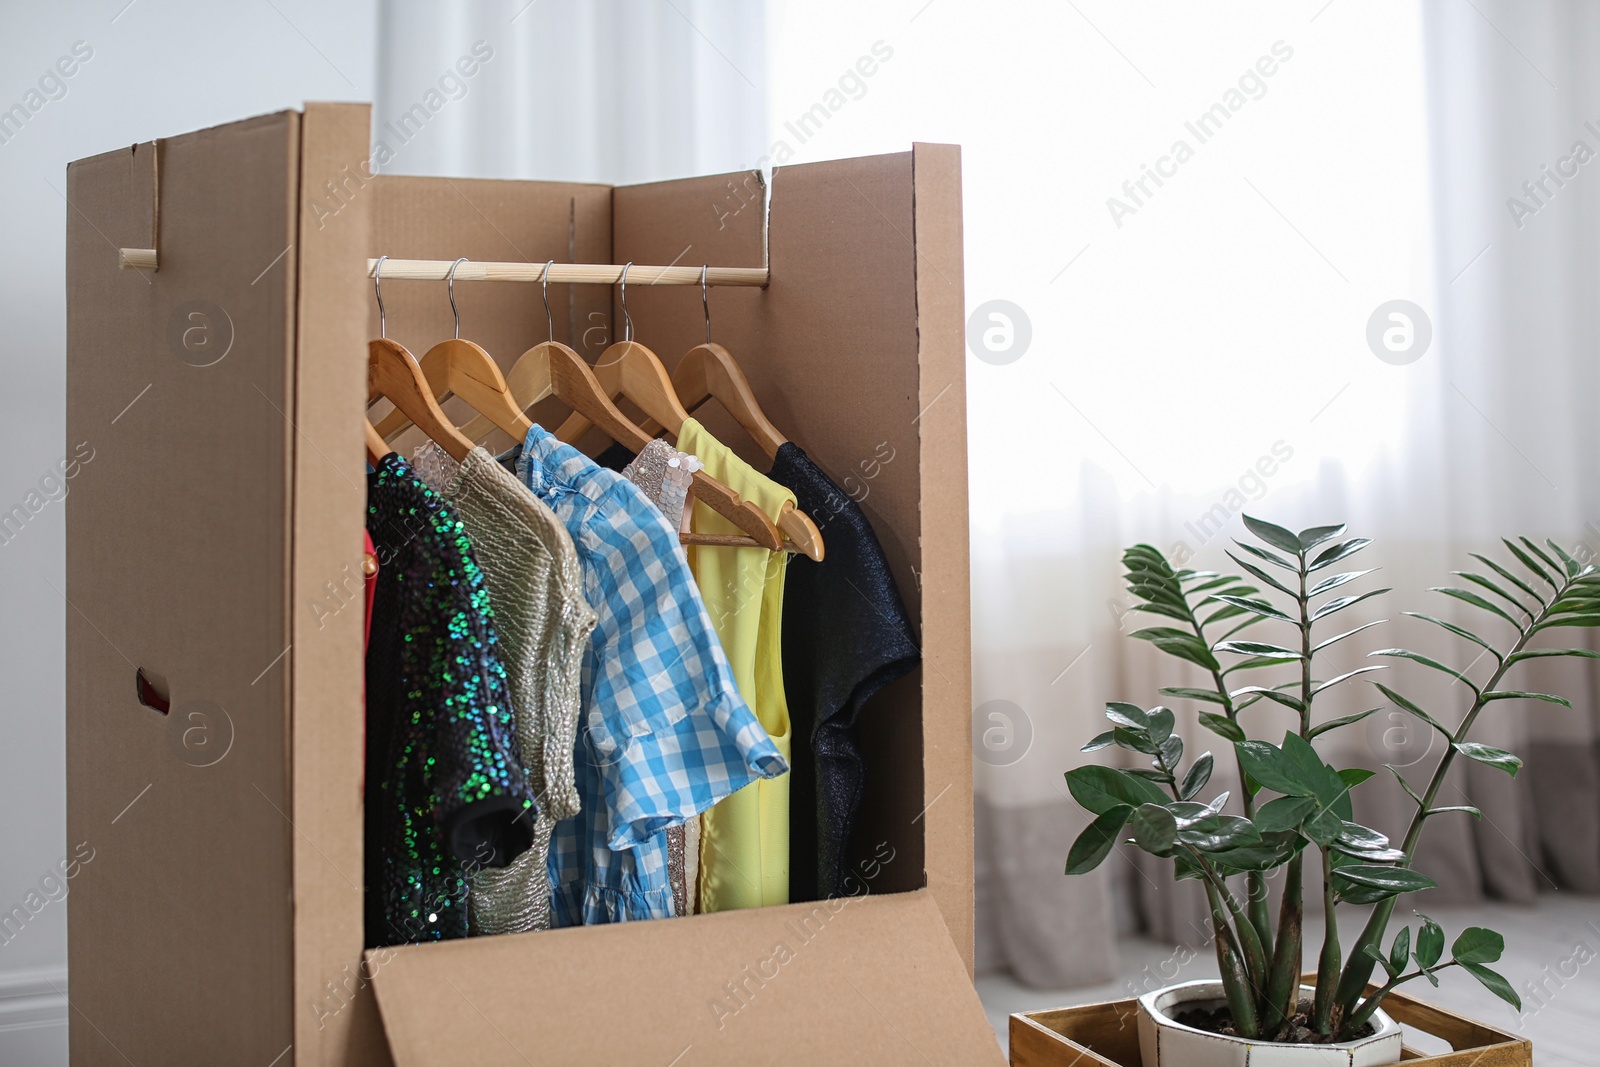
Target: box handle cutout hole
{"x":152,"y":690}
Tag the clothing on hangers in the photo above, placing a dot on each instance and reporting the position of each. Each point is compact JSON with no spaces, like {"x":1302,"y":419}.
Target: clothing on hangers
{"x":846,"y":635}
{"x":665,"y":733}
{"x":665,"y":476}
{"x":536,"y":589}
{"x":445,"y":786}
{"x":744,"y":852}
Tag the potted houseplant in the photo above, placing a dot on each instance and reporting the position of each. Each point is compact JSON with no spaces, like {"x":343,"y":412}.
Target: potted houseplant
{"x":1294,"y":809}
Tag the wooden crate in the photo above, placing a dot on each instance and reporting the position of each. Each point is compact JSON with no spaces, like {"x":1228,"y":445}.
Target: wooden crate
{"x":1107,"y":1034}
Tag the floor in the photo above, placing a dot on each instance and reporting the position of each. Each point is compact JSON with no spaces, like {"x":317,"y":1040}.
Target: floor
{"x":1552,"y":959}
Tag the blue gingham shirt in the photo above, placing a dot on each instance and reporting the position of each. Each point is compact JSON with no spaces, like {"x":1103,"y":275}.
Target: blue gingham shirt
{"x":664,"y":733}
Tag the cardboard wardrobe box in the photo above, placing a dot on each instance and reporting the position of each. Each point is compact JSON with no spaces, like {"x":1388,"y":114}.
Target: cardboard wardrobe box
{"x":214,"y":549}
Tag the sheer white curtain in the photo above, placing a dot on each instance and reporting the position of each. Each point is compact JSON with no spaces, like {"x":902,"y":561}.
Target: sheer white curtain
{"x":572,"y":91}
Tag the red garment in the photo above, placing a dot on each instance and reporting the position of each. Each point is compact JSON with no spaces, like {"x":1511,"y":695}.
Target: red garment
{"x":369,"y":561}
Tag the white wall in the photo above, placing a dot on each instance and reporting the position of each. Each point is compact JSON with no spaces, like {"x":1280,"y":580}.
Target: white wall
{"x":155,"y":68}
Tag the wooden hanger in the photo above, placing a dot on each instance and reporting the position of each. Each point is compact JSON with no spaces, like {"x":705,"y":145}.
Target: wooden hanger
{"x":707,"y":371}
{"x":461,"y":368}
{"x":394,"y":373}
{"x":550,"y":368}
{"x":377,"y":447}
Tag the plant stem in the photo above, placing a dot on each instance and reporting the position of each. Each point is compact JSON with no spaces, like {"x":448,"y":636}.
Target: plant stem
{"x":1255,"y":882}
{"x":1359,"y":1017}
{"x":1282,"y":994}
{"x":1255,"y":955}
{"x":1359,"y":969}
{"x":1328,"y":965}
{"x":1235,"y":982}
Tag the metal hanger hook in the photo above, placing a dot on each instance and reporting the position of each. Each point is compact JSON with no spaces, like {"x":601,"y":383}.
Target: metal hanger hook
{"x":544,"y":286}
{"x":705,"y":302}
{"x":377,"y":291}
{"x":627,"y":319}
{"x":450,"y":281}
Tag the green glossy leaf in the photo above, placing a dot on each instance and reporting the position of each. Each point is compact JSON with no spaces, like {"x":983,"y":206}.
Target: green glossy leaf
{"x":1323,"y":827}
{"x":1185,"y":867}
{"x":1494,"y":757}
{"x":1149,"y":775}
{"x":1129,"y":715}
{"x":1313,"y":536}
{"x":1255,"y":663}
{"x":1208,"y":695}
{"x":1181,"y":614}
{"x":1426,"y":661}
{"x":1369,"y":855}
{"x":1172,"y":751}
{"x":1544,"y":653}
{"x":1222,"y":726}
{"x":1259,"y":650}
{"x":1284,"y":813}
{"x":1477,"y":944}
{"x":1342,"y":602}
{"x":1468,"y":808}
{"x":1155,"y":829}
{"x":1097,"y":840}
{"x":1266,"y":764}
{"x":1590,"y":620}
{"x":1574,"y":568}
{"x":1527,"y":561}
{"x":1188,"y":650}
{"x":1161,"y":723}
{"x":1410,"y":792}
{"x":1268,"y":693}
{"x":1483,"y":583}
{"x":1546,"y":560}
{"x":1354,"y":776}
{"x":1348,"y":633}
{"x":1262,"y":575}
{"x":1362,"y":836}
{"x":1134,"y":739}
{"x":1516,"y":694}
{"x":1476,"y":601}
{"x":1276,"y":536}
{"x":1335,"y":581}
{"x":1199,"y":774}
{"x":1270,"y":557}
{"x":1346,"y":676}
{"x":1221,"y":832}
{"x":1254,"y":606}
{"x":1458,"y":631}
{"x":1494,"y":982}
{"x":1309,"y":768}
{"x":1509,"y":576}
{"x":1099,"y":789}
{"x":1408,"y":705}
{"x":1170,"y":633}
{"x":1275,"y":850}
{"x":1430,"y":942}
{"x":1343,"y":720}
{"x":1379,"y":876}
{"x":1400,"y":951}
{"x":1100,"y":741}
{"x":1373,"y":952}
{"x":1329,"y":556}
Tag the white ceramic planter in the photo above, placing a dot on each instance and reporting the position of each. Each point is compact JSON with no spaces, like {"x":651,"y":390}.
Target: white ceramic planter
{"x":1165,"y":1043}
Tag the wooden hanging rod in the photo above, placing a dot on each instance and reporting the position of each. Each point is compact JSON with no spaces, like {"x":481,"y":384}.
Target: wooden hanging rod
{"x":437,"y":270}
{"x":565,"y":273}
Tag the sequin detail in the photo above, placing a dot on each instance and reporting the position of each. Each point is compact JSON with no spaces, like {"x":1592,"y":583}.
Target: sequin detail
{"x":446,"y":791}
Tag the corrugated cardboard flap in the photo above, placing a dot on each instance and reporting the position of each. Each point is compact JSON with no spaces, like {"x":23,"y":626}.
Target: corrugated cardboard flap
{"x":869,"y":979}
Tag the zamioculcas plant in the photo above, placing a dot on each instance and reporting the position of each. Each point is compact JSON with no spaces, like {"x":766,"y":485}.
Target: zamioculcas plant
{"x":1296,"y":808}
